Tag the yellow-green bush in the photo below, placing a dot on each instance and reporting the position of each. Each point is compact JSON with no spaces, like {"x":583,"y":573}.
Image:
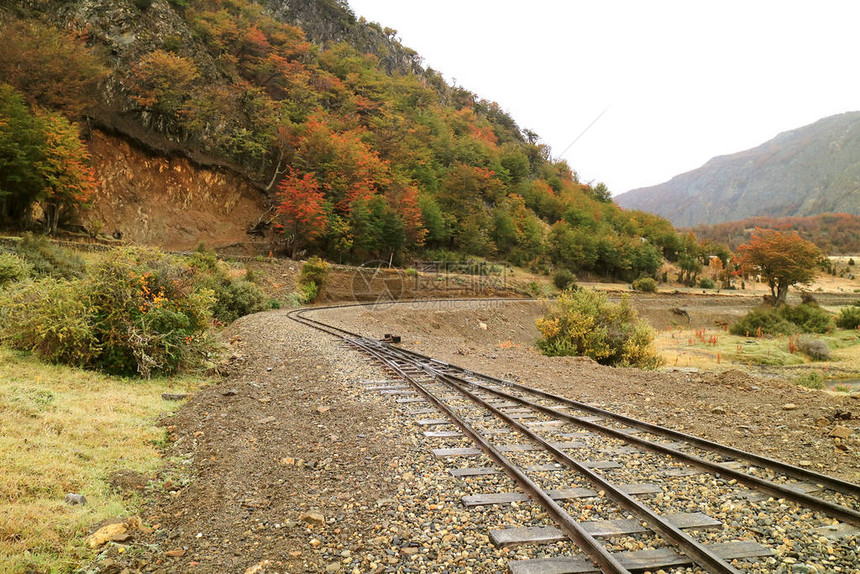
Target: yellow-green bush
{"x":586,"y":323}
{"x":47,"y":259}
{"x":13,"y":268}
{"x":151,"y":313}
{"x":138,"y":312}
{"x":311,"y":279}
{"x":52,"y":318}
{"x":645,"y":285}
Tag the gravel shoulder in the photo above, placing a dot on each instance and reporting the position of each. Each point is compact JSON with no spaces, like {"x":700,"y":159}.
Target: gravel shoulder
{"x":290,"y":465}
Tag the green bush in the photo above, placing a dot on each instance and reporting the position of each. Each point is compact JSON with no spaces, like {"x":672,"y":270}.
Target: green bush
{"x":849,"y":318}
{"x":138,"y":312}
{"x":563,"y":278}
{"x":49,"y":259}
{"x":586,"y":323}
{"x":810,"y":380}
{"x":707,"y":283}
{"x":52,"y":318}
{"x":787,"y":320}
{"x":13,"y":268}
{"x":809,"y":317}
{"x":311,"y":279}
{"x":645,"y":284}
{"x":237,"y":298}
{"x":763,"y":321}
{"x":234,"y":298}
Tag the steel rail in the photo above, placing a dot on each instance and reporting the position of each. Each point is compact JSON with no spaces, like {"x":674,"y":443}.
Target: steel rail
{"x":602,"y":557}
{"x":390,"y":356}
{"x":844,"y":513}
{"x":799,"y":473}
{"x":835,"y":510}
{"x":700,"y":554}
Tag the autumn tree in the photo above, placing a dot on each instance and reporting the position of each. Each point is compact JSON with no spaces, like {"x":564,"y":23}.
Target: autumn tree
{"x":161,"y":84}
{"x":51,"y":68}
{"x":351,"y":170}
{"x":42,"y":159}
{"x":68,"y":179}
{"x":21,"y":149}
{"x":782,"y":259}
{"x":301,"y":209}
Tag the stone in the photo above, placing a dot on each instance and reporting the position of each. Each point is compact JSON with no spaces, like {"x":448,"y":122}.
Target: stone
{"x":313,"y":517}
{"x":107,"y":534}
{"x":75,"y":499}
{"x":483,"y":326}
{"x":718,"y":410}
{"x":175,"y":553}
{"x":258,"y":567}
{"x":841,"y":432}
{"x":229,"y":393}
{"x":789,"y":407}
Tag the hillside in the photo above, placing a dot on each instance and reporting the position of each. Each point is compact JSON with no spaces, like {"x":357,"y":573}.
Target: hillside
{"x":808,"y":171}
{"x":834,"y":233}
{"x":288,"y":126}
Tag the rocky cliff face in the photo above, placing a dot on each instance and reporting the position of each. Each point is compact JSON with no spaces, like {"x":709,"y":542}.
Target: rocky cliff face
{"x":170,"y":201}
{"x":331,"y":21}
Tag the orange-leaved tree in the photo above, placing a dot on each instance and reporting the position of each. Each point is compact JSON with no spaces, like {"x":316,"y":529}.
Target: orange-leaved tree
{"x":302,"y":209}
{"x":68,"y":178}
{"x":782,"y":259}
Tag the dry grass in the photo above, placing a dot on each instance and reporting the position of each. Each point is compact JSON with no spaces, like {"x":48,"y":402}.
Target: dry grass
{"x":65,"y":430}
{"x":715,"y":349}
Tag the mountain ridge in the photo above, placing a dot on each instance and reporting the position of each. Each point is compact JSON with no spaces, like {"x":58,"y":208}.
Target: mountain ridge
{"x":807,"y":171}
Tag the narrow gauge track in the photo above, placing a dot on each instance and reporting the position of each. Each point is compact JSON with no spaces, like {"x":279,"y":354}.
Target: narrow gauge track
{"x":542,"y":466}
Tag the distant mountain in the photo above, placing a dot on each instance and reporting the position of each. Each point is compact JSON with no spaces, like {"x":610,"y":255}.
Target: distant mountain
{"x":808,"y":171}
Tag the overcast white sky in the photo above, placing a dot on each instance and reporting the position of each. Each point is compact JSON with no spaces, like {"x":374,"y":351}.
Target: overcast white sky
{"x":683,"y":80}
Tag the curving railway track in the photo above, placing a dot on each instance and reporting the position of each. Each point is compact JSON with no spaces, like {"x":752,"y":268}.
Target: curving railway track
{"x":630,"y":495}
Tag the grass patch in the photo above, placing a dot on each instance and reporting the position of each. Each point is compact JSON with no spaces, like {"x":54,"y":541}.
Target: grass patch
{"x":810,"y":380}
{"x":715,"y":348}
{"x":65,"y":430}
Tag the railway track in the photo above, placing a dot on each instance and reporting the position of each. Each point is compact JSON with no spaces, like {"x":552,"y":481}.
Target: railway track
{"x":630,"y":495}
